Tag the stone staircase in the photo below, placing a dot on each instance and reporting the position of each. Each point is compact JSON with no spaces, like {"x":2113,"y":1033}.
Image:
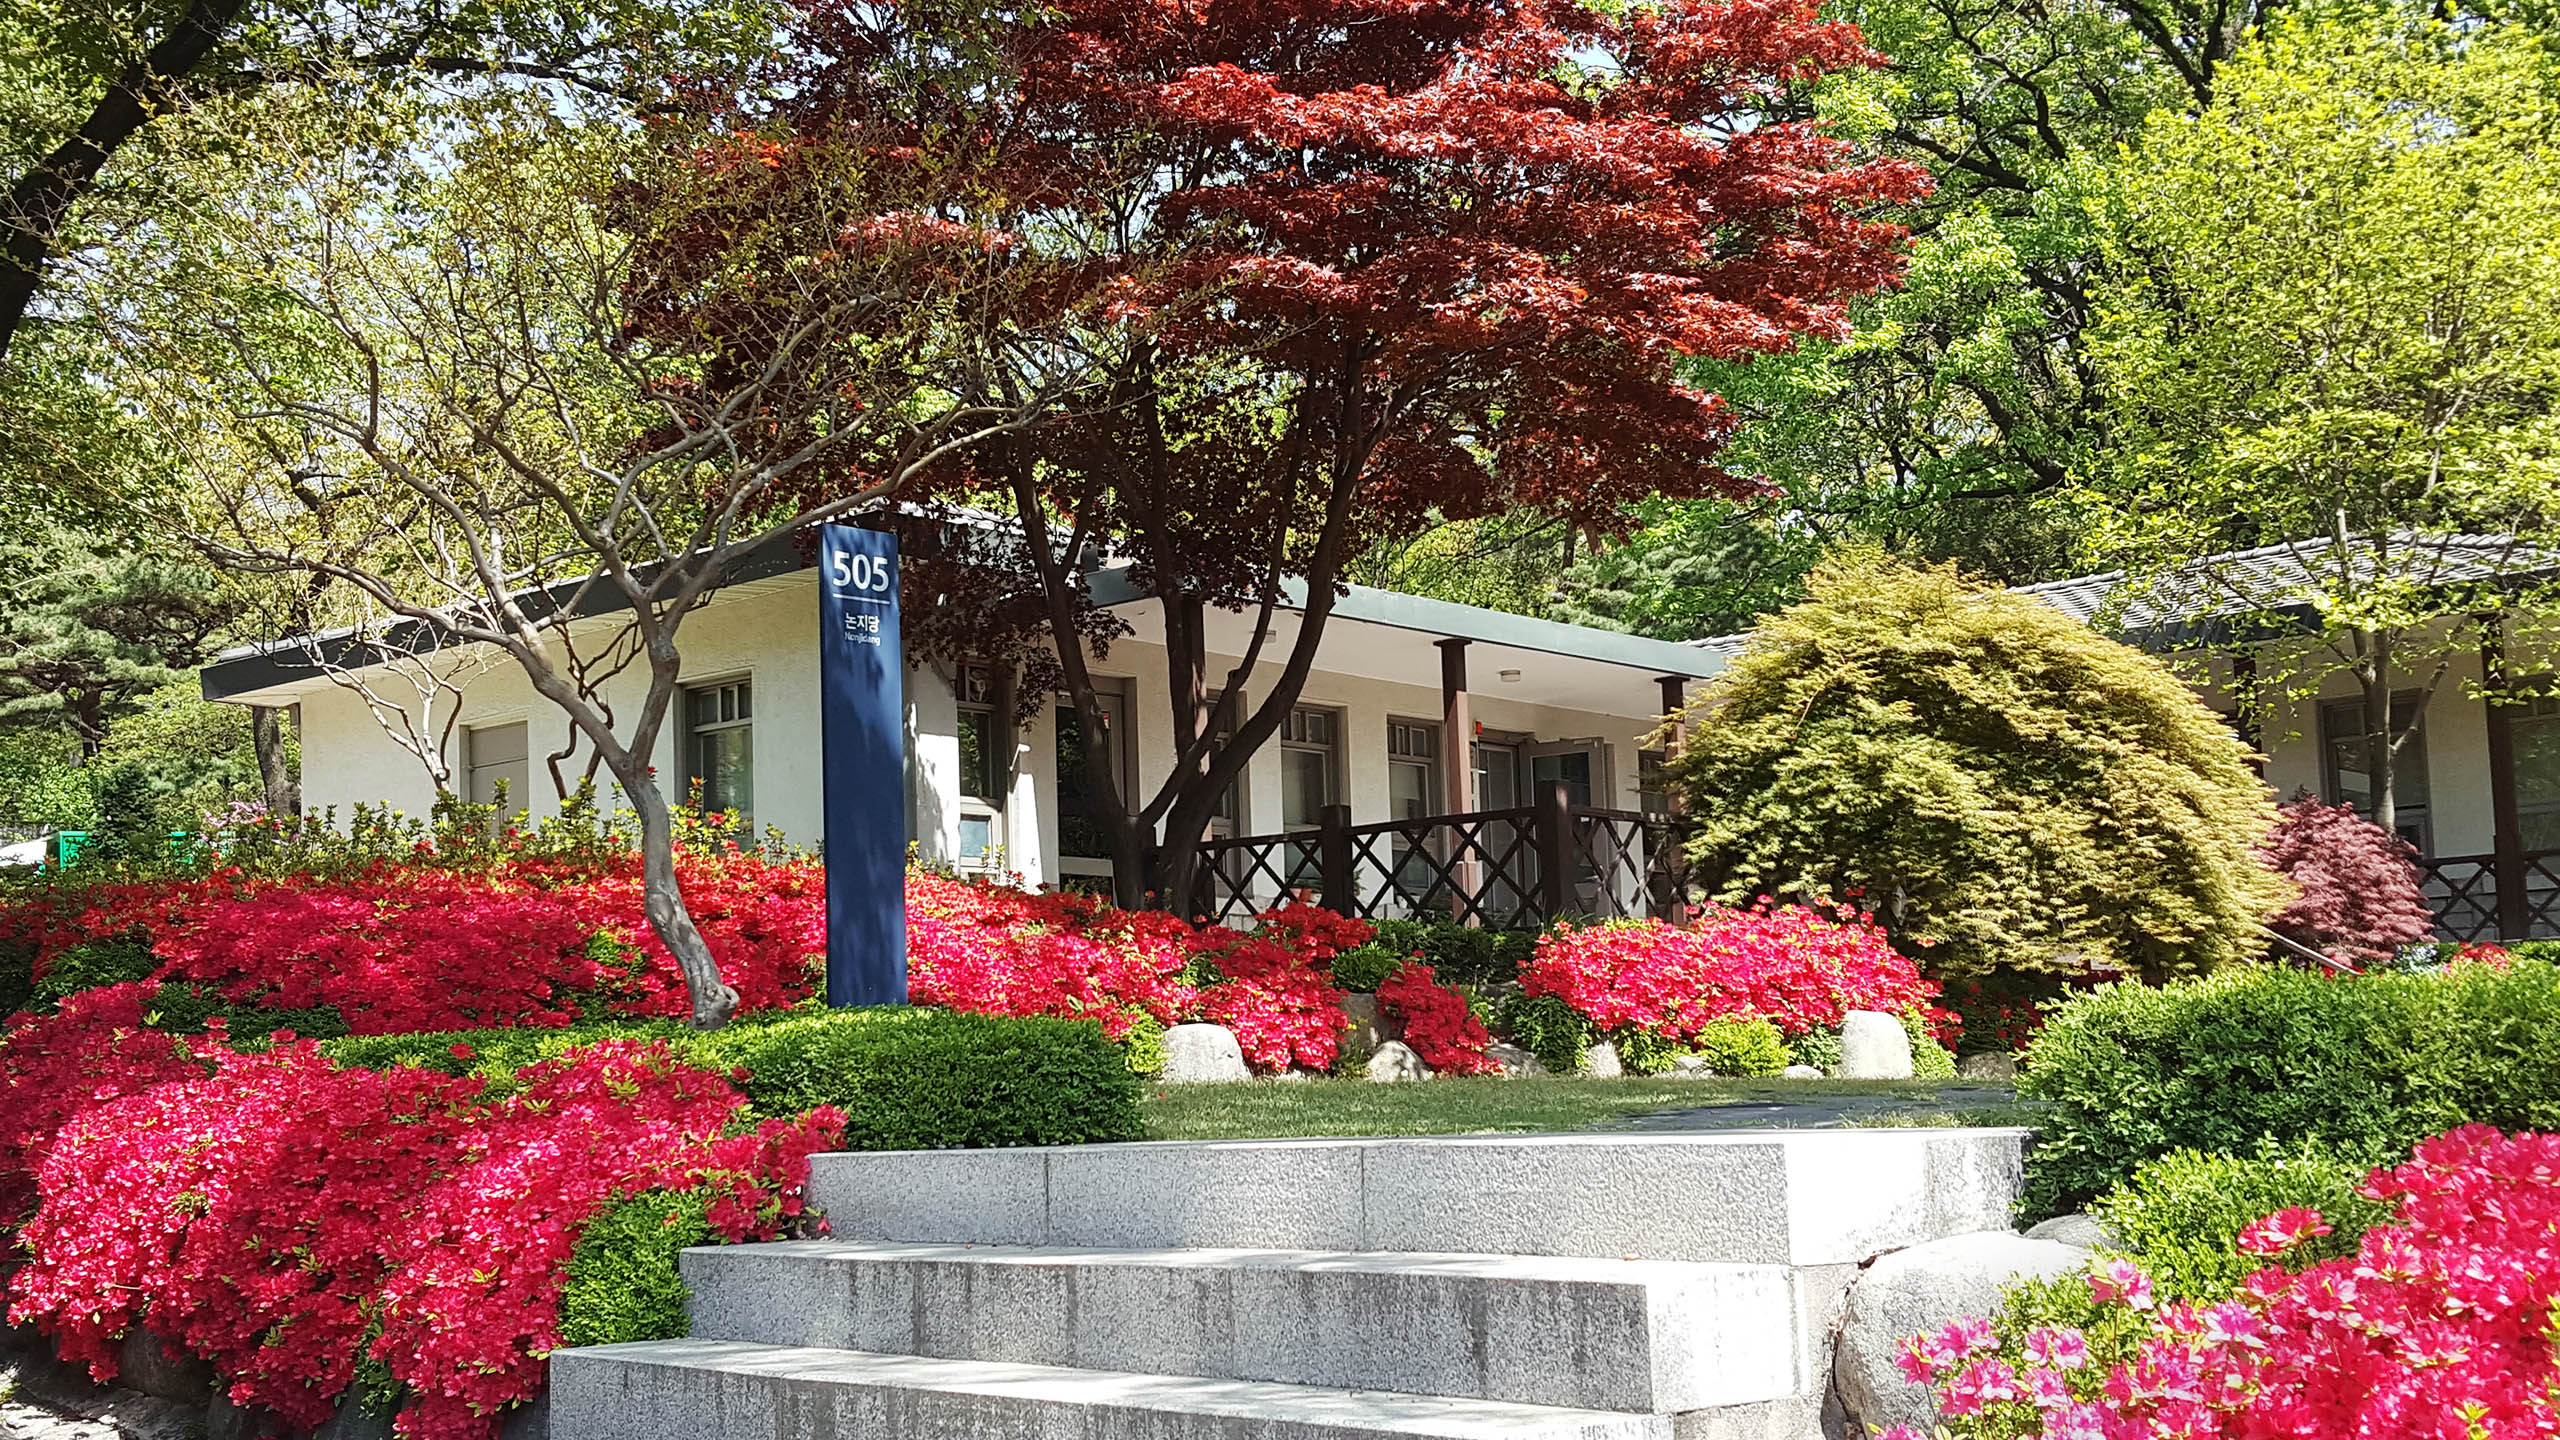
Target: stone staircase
{"x":1617,"y":1287}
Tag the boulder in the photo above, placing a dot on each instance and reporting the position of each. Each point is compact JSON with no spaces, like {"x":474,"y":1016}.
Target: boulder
{"x":1692,"y":1067}
{"x":1801,"y":1072}
{"x":1600,"y":1062}
{"x":154,"y":1368}
{"x":1874,"y":1046}
{"x":2081,"y":1230}
{"x":1920,"y":1289}
{"x":1513,"y":1060}
{"x":1202,"y":1055}
{"x":1367,"y":1032}
{"x":1396,"y":1061}
{"x":1990,"y":1065}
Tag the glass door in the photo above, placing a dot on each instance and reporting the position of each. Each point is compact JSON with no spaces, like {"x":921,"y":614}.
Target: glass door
{"x":1581,"y":765}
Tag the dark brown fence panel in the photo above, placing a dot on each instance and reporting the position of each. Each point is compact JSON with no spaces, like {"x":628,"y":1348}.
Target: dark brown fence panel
{"x":2463,"y":891}
{"x":1499,"y":869}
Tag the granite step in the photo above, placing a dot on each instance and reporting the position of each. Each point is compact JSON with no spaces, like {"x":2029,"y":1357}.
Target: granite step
{"x":731,"y":1390}
{"x":1801,"y":1197}
{"x":1648,"y":1336}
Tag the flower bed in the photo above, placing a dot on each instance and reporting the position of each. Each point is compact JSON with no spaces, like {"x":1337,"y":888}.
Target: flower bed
{"x":2439,"y":1325}
{"x":290,"y":1220}
{"x":1799,"y":968}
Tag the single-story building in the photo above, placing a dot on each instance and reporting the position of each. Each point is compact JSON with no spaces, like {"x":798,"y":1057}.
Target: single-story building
{"x":1416,"y":708}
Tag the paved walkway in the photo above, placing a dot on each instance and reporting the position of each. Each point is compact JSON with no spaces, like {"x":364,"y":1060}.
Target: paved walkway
{"x":1961,"y":1103}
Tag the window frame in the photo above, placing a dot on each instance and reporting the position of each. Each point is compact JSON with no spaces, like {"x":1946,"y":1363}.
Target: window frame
{"x":1330,"y":749}
{"x":693,"y":729}
{"x":2419,"y":817}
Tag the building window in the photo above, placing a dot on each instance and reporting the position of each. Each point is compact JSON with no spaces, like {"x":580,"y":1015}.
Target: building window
{"x":1082,"y":833}
{"x":2347,"y":745}
{"x":1653,"y":781}
{"x":495,"y":755}
{"x":1307,"y":767}
{"x":981,"y":773}
{"x":2535,"y":726}
{"x":720,"y":747}
{"x":1413,"y":769}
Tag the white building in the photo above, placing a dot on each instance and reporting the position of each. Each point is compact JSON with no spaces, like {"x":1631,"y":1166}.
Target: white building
{"x":1538,"y":704}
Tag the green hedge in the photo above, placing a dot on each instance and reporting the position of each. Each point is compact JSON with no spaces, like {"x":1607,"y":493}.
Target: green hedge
{"x":906,"y":1079}
{"x":1457,"y":954}
{"x":2362,"y":1068}
{"x":622,"y":1281}
{"x":2182,"y":1214}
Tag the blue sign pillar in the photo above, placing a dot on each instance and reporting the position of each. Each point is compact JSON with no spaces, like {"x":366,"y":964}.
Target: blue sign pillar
{"x":862,"y":703}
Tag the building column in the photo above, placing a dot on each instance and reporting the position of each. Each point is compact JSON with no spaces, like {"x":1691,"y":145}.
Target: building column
{"x":2508,"y":842}
{"x":1458,"y":778}
{"x":1457,"y":732}
{"x":1675,"y":698}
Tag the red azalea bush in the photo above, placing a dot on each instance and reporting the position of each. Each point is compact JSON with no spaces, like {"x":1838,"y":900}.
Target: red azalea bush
{"x":1281,"y":1004}
{"x":2000,"y":1012}
{"x":2440,"y":1327}
{"x":52,"y":1067}
{"x":2359,"y":896}
{"x":1004,"y":951}
{"x":1437,"y":1022}
{"x":406,"y":945}
{"x":268,"y":1210}
{"x":1797,"y":967}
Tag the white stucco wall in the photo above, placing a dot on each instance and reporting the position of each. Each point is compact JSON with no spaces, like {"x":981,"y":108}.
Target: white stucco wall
{"x":2460,"y":817}
{"x":768,"y":633}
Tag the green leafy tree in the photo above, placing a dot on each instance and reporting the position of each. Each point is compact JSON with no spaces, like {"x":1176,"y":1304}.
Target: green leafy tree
{"x":2001,"y":785}
{"x":1696,"y":571}
{"x":90,"y":630}
{"x":1948,"y":425}
{"x":2334,"y":319}
{"x":83,"y":81}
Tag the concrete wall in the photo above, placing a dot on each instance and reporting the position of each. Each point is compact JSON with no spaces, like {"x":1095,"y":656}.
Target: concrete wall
{"x":768,"y":633}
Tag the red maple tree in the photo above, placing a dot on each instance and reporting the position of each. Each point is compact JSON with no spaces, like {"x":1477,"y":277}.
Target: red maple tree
{"x":2360,"y":897}
{"x":1342,"y":269}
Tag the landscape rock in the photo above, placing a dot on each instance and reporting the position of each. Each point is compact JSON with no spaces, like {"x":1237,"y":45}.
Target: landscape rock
{"x":1396,"y":1061}
{"x":2081,"y":1230}
{"x":1202,"y":1055}
{"x":352,"y":1423}
{"x":1990,"y":1065}
{"x":1600,"y":1062}
{"x":1513,"y":1060}
{"x":1367,"y":1032}
{"x":1874,"y":1046}
{"x":1801,"y":1072}
{"x":145,"y":1364}
{"x":1694,"y":1067}
{"x":1920,"y":1289}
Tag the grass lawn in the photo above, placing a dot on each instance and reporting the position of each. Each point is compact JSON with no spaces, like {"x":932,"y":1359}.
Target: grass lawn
{"x":1456,"y":1105}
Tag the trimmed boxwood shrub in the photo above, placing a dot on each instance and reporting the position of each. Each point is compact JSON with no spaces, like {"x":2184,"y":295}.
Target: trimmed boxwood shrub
{"x":1742,"y":1047}
{"x":622,"y":1282}
{"x":906,"y":1079}
{"x":2181,"y":1215}
{"x":2362,"y":1067}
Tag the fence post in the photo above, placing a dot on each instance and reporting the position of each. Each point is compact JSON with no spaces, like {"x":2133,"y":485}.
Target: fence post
{"x":1554,"y":821}
{"x":1333,"y":860}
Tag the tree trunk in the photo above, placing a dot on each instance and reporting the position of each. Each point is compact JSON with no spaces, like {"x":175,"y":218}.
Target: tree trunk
{"x":713,"y":1001}
{"x":275,"y":773}
{"x":1173,"y":872}
{"x":2382,"y":754}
